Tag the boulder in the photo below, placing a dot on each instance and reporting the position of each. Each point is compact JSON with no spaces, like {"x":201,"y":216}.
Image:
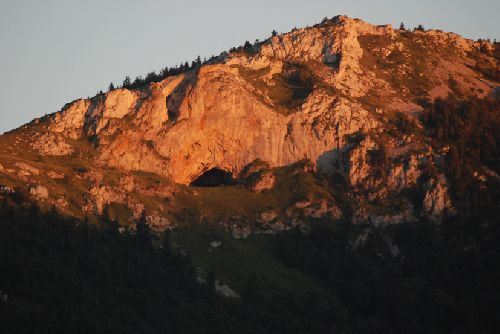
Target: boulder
{"x":39,"y":192}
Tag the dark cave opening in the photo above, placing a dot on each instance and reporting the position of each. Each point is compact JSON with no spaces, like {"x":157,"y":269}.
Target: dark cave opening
{"x":214,"y":177}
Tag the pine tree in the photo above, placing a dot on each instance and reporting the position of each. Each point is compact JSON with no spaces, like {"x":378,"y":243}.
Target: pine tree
{"x":251,"y":287}
{"x":151,"y":77}
{"x":420,"y":28}
{"x":5,"y":206}
{"x":126,"y":82}
{"x":34,"y":212}
{"x":105,"y":217}
{"x":164,"y":72}
{"x":167,"y":242}
{"x":84,"y":227}
{"x":429,"y":170}
{"x":111,"y":87}
{"x":143,"y":234}
{"x":402,"y":26}
{"x":274,"y":33}
{"x":211,"y":282}
{"x":138,"y":82}
{"x":52,"y":215}
{"x":454,"y":163}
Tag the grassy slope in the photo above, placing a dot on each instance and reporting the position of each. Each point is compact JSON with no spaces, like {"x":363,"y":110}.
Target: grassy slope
{"x":235,"y":260}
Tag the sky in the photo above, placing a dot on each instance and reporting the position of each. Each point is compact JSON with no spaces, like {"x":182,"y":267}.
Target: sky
{"x":55,"y":51}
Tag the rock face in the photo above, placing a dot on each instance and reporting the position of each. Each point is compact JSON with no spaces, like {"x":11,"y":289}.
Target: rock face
{"x":359,"y":170}
{"x":55,"y":175}
{"x":326,"y":93}
{"x":263,"y":181}
{"x":39,"y":192}
{"x":257,"y":176}
{"x":70,"y":120}
{"x":101,"y":196}
{"x":226,"y":115}
{"x":51,"y":144}
{"x":436,"y":199}
{"x":225,"y":290}
{"x":23,"y":169}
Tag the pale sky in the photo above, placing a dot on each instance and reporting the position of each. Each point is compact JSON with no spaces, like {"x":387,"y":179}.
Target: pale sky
{"x":55,"y":51}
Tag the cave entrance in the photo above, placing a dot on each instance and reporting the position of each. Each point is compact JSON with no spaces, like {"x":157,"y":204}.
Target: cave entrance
{"x":214,"y":177}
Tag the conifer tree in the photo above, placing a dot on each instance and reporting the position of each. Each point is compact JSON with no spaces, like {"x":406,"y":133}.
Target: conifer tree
{"x":105,"y":217}
{"x":211,"y":282}
{"x":167,"y":242}
{"x":126,"y":82}
{"x":143,"y":233}
{"x":5,"y":206}
{"x":138,"y":82}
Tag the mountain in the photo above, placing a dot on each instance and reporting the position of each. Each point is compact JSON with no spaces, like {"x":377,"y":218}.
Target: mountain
{"x":336,"y":94}
{"x":342,"y":177}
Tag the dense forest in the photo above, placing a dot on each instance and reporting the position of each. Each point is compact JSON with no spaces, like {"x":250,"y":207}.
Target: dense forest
{"x":469,"y":132}
{"x":59,"y":275}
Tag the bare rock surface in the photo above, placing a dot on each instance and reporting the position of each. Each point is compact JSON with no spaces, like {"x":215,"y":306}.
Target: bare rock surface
{"x":39,"y":192}
{"x":24,"y":169}
{"x":323,"y":99}
{"x":51,"y":144}
{"x":55,"y":175}
{"x":436,"y":199}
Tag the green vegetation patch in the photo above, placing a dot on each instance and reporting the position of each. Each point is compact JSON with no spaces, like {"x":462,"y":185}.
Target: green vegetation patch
{"x":287,"y":90}
{"x":233,"y":261}
{"x":409,"y":67}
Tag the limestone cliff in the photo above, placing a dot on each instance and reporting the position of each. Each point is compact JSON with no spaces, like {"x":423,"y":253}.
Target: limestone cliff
{"x":328,"y":93}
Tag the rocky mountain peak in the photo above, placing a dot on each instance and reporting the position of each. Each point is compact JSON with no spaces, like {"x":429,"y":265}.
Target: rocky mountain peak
{"x":332,"y":93}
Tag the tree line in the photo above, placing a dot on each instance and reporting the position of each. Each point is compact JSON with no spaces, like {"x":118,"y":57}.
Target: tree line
{"x":152,"y":76}
{"x":140,"y":81}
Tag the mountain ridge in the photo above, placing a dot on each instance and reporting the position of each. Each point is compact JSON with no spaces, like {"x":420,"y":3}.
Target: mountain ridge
{"x":334,"y":93}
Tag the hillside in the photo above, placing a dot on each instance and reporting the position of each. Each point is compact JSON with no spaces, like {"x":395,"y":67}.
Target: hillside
{"x":333,"y":93}
{"x":328,"y":164}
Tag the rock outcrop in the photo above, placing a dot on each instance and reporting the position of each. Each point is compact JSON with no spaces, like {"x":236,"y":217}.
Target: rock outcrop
{"x":51,"y":144}
{"x":328,"y":93}
{"x":263,"y":181}
{"x":436,"y":200}
{"x":39,"y":192}
{"x":226,"y":115}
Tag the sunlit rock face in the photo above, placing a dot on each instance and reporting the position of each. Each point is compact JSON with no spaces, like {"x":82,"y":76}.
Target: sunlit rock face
{"x":327,"y":93}
{"x":228,"y":114}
